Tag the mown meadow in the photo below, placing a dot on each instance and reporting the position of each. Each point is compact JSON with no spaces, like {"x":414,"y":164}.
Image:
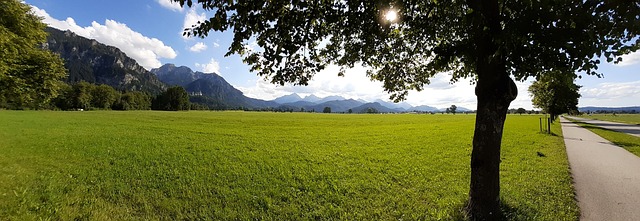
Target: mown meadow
{"x":145,"y":165}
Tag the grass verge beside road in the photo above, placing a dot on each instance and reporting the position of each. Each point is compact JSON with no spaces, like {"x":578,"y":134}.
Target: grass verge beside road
{"x":626,"y":141}
{"x":620,"y":118}
{"x":149,"y":165}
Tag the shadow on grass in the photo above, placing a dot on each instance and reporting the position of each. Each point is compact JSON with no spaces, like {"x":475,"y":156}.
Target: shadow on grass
{"x":625,"y":144}
{"x":461,"y":215}
{"x":593,"y":127}
{"x":550,"y":134}
{"x":508,"y":212}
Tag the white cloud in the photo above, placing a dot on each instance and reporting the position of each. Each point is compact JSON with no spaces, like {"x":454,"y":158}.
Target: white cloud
{"x":355,"y":84}
{"x":440,"y":93}
{"x":192,"y":18}
{"x":215,"y":45}
{"x":611,"y":94}
{"x":612,"y":90}
{"x":146,"y":51}
{"x":168,"y":4}
{"x":524,"y":97}
{"x":212,"y":67}
{"x":198,"y":47}
{"x":630,"y":59}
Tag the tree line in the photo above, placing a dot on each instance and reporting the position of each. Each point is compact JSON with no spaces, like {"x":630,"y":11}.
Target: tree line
{"x":87,"y":96}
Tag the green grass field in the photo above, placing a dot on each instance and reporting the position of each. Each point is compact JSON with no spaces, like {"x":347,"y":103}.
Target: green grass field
{"x":622,"y":118}
{"x":108,"y":165}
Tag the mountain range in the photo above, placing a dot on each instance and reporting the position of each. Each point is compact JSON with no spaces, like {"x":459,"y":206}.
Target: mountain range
{"x":91,"y":61}
{"x":209,"y":89}
{"x":341,"y":104}
{"x":635,"y":109}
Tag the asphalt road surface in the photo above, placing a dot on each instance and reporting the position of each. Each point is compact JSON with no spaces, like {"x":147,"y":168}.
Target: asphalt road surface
{"x":606,"y":177}
{"x":620,"y":127}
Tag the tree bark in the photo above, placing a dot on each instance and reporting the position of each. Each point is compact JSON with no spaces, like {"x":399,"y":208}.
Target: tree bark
{"x":494,"y":91}
{"x":494,"y":97}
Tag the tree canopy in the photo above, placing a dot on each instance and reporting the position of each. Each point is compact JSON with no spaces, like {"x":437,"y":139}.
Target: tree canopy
{"x":104,"y":96}
{"x":300,"y":38}
{"x":174,"y":99}
{"x":452,"y":109}
{"x":490,"y":42}
{"x":555,"y":93}
{"x":30,"y":76}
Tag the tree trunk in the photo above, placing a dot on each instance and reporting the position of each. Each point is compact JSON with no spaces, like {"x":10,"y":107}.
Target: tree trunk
{"x":494,"y":90}
{"x":494,"y":98}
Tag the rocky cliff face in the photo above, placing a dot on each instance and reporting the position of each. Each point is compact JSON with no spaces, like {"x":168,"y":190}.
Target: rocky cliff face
{"x":90,"y":61}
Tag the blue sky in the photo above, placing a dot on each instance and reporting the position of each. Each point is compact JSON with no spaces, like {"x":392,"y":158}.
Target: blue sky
{"x":150,"y":31}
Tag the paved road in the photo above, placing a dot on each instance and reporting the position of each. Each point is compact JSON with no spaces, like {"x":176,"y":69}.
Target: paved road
{"x":624,"y":128}
{"x":606,"y":177}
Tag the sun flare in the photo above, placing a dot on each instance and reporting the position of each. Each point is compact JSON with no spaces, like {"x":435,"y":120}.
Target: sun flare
{"x":391,"y":15}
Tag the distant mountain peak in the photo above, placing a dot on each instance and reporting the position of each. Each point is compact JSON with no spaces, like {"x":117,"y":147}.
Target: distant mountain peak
{"x":166,"y":68}
{"x":332,"y":98}
{"x":207,"y":74}
{"x":372,"y":107}
{"x":311,"y":98}
{"x":288,"y":98}
{"x":425,"y":108}
{"x":393,"y":105}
